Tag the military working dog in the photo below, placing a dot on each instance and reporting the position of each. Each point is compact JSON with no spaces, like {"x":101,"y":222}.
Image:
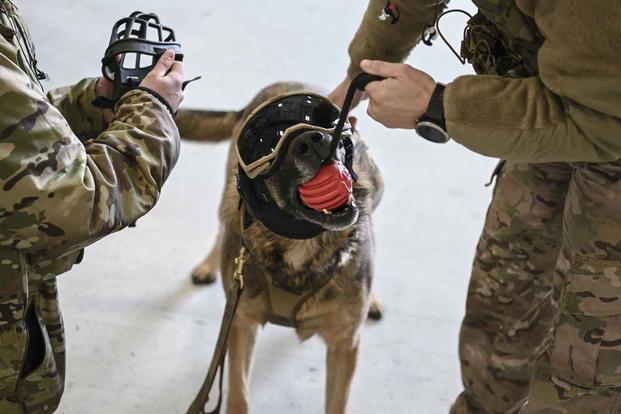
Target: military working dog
{"x":339,"y":259}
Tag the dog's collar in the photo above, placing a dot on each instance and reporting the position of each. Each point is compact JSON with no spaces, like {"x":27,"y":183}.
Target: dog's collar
{"x":260,"y":206}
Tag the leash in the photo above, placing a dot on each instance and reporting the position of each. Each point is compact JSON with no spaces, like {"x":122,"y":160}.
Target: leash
{"x":218,"y":358}
{"x":357,"y":84}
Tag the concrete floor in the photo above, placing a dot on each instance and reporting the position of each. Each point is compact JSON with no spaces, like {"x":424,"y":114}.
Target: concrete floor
{"x":140,"y":335}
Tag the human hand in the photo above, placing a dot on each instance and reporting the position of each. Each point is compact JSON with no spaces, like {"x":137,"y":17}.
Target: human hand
{"x":402,"y":98}
{"x":166,"y":79}
{"x":338,"y":95}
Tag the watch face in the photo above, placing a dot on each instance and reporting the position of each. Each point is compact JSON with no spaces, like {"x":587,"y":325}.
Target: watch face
{"x":432,"y":132}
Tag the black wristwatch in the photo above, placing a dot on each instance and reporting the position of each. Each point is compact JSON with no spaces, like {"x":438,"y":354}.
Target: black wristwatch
{"x":431,"y":124}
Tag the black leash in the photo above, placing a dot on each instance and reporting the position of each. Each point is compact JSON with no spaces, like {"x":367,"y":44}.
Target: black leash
{"x":357,"y":84}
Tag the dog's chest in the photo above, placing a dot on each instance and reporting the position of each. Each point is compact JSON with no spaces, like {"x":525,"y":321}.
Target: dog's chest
{"x":295,"y":259}
{"x":301,"y":257}
{"x":299,"y":267}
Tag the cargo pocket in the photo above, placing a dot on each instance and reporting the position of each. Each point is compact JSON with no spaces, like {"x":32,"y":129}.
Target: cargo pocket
{"x":587,"y":343}
{"x":43,"y":384}
{"x":35,"y":347}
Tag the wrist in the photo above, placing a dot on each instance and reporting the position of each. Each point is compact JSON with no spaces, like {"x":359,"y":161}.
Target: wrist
{"x":435,"y":106}
{"x":103,"y":87}
{"x":428,"y":95}
{"x":159,"y":98}
{"x":432,"y":124}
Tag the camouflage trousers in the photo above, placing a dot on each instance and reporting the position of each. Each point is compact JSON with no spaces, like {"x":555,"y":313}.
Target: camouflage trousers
{"x":542,"y":331}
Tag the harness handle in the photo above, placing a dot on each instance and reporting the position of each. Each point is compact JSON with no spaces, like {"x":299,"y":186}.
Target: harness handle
{"x":357,"y":84}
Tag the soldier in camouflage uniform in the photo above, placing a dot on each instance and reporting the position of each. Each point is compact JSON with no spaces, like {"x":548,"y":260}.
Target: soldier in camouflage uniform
{"x":67,"y":179}
{"x":542,"y":331}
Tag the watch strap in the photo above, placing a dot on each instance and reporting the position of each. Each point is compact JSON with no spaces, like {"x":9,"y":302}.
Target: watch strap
{"x":435,"y":110}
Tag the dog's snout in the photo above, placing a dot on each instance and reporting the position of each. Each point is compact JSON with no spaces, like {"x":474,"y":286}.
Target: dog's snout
{"x":311,"y":142}
{"x":317,"y":136}
{"x":302,"y":148}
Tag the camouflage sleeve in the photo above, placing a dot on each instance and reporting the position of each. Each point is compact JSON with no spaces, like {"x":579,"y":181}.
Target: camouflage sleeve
{"x":74,"y":103}
{"x":58,"y":194}
{"x":570,"y":112}
{"x":377,"y":39}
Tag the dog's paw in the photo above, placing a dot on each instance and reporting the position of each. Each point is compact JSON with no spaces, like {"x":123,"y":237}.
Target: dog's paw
{"x":203,"y":274}
{"x":376,"y":308}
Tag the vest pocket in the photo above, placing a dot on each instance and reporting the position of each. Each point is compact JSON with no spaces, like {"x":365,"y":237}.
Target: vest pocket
{"x":587,"y":343}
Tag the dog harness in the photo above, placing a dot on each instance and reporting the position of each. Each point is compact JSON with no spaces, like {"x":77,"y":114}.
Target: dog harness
{"x":286,"y":293}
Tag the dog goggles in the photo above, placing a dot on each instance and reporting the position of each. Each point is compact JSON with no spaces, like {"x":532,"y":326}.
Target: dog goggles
{"x":268,"y":130}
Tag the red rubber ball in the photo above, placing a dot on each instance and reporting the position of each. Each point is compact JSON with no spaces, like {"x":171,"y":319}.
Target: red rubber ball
{"x":331,"y":188}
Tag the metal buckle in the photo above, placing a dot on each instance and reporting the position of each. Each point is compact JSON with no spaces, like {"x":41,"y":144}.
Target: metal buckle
{"x":240,"y":261}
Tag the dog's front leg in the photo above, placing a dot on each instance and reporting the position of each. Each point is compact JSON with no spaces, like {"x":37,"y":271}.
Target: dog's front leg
{"x":241,"y":345}
{"x":341,"y":361}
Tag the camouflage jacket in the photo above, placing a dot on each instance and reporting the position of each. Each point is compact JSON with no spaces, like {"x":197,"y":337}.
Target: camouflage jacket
{"x":569,"y":110}
{"x":66,"y":180}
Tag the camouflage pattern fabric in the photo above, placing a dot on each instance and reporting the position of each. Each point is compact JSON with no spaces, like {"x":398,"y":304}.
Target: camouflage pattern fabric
{"x":74,"y":103}
{"x":542,"y":331}
{"x":58,"y":195}
{"x":501,"y":40}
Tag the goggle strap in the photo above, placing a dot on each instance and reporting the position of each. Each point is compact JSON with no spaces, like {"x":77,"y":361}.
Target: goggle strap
{"x":265,"y":163}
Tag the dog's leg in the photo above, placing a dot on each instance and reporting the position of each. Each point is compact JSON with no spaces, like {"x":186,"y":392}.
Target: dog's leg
{"x":342,"y":358}
{"x":207,"y":271}
{"x":241,"y":345}
{"x":376,"y":308}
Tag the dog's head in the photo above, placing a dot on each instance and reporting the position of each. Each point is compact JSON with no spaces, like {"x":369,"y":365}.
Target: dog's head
{"x":283,"y":146}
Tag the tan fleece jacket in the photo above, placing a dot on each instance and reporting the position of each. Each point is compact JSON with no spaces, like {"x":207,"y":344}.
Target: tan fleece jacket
{"x":571,"y":111}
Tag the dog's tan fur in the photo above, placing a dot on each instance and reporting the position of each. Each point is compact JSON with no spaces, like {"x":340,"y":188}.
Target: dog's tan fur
{"x":337,"y":311}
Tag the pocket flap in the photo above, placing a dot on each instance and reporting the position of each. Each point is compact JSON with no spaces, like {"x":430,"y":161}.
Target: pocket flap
{"x":594,"y":287}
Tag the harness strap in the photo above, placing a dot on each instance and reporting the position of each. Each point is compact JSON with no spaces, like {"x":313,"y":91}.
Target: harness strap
{"x":283,"y":305}
{"x":219,"y":356}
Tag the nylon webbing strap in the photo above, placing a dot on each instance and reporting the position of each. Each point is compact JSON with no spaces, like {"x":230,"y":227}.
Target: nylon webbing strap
{"x":357,"y":84}
{"x":283,"y":305}
{"x":217,"y":360}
